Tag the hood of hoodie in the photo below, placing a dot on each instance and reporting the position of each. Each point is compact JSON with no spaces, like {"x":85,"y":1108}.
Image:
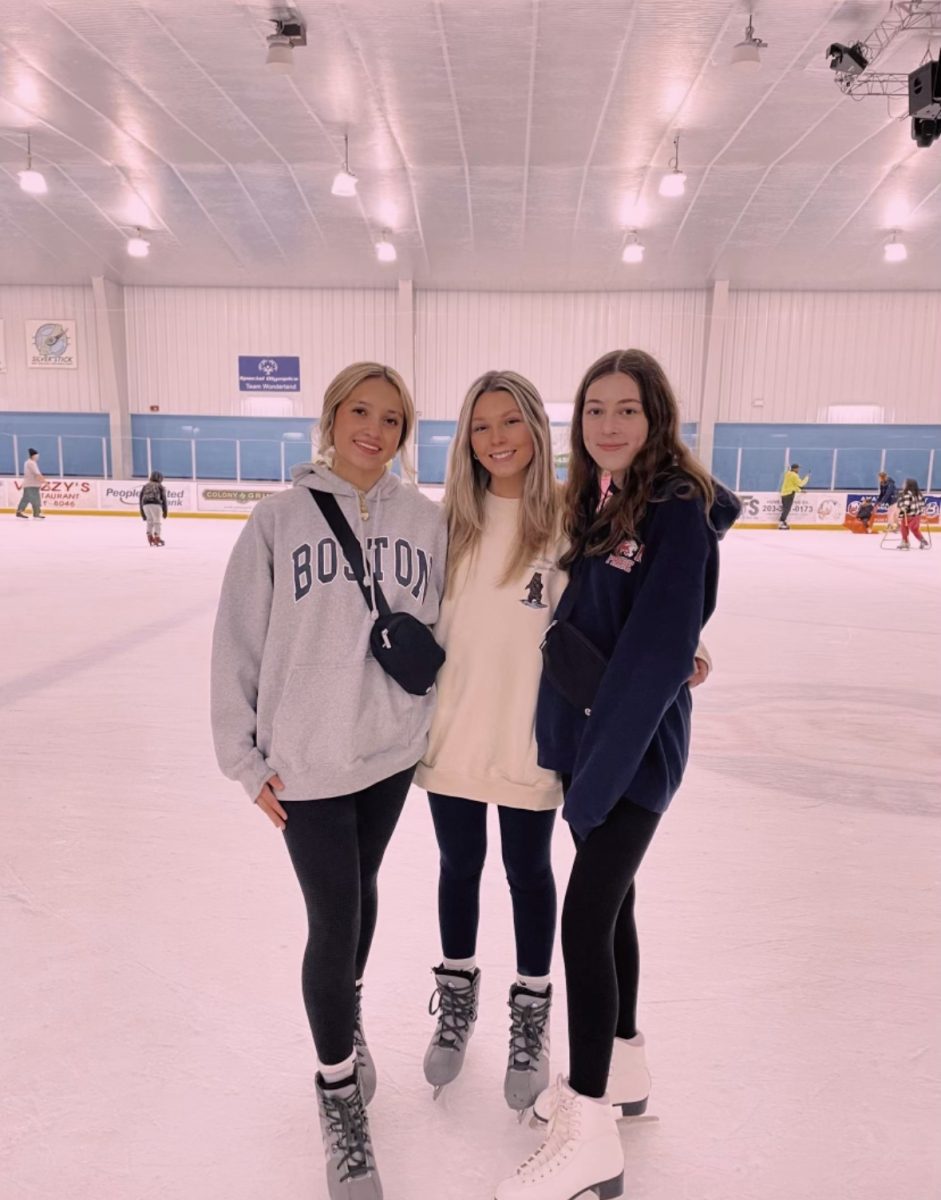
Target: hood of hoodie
{"x":725,"y":509}
{"x":320,"y":478}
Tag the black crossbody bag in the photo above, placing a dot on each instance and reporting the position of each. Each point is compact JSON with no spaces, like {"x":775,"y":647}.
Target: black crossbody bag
{"x":572,"y":662}
{"x":402,"y":645}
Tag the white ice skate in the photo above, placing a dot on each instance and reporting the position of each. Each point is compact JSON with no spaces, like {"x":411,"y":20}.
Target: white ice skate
{"x":628,"y":1083}
{"x":347,"y":1146}
{"x":527,"y":1070}
{"x":582,"y":1153}
{"x":454,"y":1001}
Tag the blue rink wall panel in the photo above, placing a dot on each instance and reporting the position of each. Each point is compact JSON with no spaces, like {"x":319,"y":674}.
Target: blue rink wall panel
{"x":748,"y":455}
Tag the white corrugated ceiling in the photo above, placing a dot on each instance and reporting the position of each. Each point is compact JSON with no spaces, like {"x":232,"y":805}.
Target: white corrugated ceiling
{"x":505,"y":143}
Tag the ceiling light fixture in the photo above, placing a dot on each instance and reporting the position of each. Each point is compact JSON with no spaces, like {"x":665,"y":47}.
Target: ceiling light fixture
{"x":747,"y":53}
{"x":673,"y":183}
{"x":32,"y":182}
{"x":289,"y":31}
{"x":894,"y":251}
{"x":344,"y":182}
{"x":138,"y":246}
{"x":634,"y":251}
{"x":385,"y":250}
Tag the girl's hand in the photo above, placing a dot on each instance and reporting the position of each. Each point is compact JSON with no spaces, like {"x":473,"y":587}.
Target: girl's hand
{"x":700,"y":672}
{"x":267,"y":801}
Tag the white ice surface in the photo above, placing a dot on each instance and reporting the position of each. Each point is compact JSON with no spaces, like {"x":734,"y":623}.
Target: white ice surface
{"x":153,"y":1039}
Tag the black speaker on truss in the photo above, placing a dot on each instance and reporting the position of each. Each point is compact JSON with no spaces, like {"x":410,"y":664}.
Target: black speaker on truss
{"x":924,"y":87}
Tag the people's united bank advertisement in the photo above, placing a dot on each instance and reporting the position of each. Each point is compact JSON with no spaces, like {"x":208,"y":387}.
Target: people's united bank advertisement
{"x":269,"y":374}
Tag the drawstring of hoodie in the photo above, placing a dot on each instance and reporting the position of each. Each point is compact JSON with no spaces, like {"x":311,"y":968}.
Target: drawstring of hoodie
{"x":364,"y":515}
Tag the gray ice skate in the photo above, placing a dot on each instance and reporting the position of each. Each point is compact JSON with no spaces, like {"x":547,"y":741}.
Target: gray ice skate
{"x":348,"y":1154}
{"x":527,"y":1070}
{"x":365,"y":1067}
{"x":454,"y":1000}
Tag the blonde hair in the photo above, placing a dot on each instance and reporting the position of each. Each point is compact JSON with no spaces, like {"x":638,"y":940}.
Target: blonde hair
{"x":342,"y":386}
{"x":467,"y":481}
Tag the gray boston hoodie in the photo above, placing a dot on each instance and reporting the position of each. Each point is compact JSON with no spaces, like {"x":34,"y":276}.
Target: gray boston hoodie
{"x":295,"y":689}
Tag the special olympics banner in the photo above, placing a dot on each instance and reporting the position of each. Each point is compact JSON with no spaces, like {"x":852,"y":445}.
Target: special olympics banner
{"x":269,"y":374}
{"x":810,"y":508}
{"x":60,"y":494}
{"x":117,"y":494}
{"x":932,"y":506}
{"x":51,"y":344}
{"x":231,"y":497}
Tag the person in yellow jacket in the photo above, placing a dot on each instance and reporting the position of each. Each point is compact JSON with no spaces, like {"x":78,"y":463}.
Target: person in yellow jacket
{"x":790,"y":487}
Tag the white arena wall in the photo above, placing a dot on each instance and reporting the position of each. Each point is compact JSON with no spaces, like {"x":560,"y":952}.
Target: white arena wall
{"x":782,"y":356}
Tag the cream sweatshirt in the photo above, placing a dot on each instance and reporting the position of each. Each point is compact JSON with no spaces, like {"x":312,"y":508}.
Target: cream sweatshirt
{"x":482,"y":743}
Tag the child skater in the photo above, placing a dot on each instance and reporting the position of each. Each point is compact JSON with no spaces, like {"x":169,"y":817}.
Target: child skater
{"x":911,"y":507}
{"x":503,"y":583}
{"x":613,"y":719}
{"x":153,"y":507}
{"x":322,"y":739}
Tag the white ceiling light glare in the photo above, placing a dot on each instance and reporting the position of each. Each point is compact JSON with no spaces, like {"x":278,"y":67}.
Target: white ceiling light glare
{"x":289,"y":31}
{"x":385,"y":249}
{"x":747,"y":53}
{"x":673,"y":183}
{"x":634,"y":250}
{"x":32,"y":182}
{"x":344,"y":182}
{"x":137,"y":245}
{"x":894,"y":251}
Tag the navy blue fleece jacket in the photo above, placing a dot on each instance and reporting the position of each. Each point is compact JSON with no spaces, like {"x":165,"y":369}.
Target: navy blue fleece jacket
{"x":643,"y":606}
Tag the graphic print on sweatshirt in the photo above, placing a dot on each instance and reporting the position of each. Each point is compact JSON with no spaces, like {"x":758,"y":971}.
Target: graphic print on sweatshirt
{"x":409,"y":565}
{"x":626,"y":555}
{"x":536,"y":584}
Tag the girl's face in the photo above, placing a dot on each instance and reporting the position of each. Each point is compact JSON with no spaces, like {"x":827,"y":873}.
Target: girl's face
{"x":501,"y":440}
{"x":367,"y":430}
{"x":614,"y":425}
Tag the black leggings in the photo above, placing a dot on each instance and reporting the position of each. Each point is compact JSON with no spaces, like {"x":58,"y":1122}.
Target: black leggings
{"x":599,"y":942}
{"x":526,"y":838}
{"x":787,"y":503}
{"x":336,"y":847}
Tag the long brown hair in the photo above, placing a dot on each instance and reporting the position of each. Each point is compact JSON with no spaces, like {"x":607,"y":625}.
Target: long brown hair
{"x":662,"y":466}
{"x":467,"y":479}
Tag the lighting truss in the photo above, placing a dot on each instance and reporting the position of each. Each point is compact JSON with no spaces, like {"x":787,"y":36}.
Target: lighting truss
{"x":905,"y":15}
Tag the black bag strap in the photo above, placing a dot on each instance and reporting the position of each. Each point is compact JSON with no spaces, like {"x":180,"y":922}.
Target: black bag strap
{"x":352,"y":551}
{"x":570,"y":595}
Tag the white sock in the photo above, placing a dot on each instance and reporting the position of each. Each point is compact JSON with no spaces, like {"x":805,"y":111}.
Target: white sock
{"x":461,"y":964}
{"x":338,"y":1071}
{"x":534,"y":983}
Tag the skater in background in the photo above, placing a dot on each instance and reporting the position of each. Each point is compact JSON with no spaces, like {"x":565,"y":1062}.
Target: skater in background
{"x":888,"y":495}
{"x":33,"y":479}
{"x":791,"y":486}
{"x":911,"y":507}
{"x":322,"y":739}
{"x":503,"y":583}
{"x":153,"y":507}
{"x":613,"y":719}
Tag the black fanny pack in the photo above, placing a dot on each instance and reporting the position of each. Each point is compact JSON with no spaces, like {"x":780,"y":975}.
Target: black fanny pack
{"x":402,"y":645}
{"x":573,"y":664}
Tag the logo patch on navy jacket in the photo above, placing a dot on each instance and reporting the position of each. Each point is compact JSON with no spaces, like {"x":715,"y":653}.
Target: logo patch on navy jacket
{"x":626,"y":556}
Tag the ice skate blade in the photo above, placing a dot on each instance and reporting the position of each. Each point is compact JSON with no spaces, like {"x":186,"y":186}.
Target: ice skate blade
{"x":437,"y":1090}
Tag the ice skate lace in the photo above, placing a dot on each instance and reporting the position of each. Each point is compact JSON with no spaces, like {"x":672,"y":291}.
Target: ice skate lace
{"x":455,"y":1009}
{"x":563,"y":1126}
{"x":348,"y":1134}
{"x":527,"y":1031}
